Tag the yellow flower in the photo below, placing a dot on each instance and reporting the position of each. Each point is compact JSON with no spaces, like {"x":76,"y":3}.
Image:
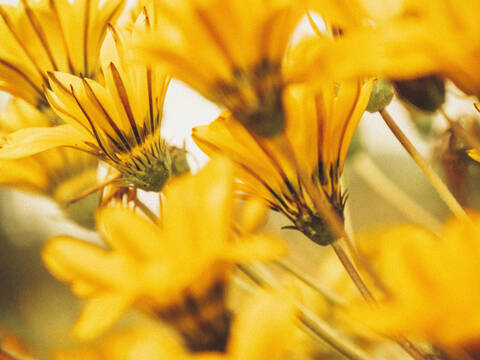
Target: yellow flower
{"x":229,"y":51}
{"x":432,"y":283}
{"x":261,"y":330}
{"x":426,"y":37}
{"x":320,"y":125}
{"x":176,"y":270}
{"x":50,"y":35}
{"x":59,"y":173}
{"x":119,"y":122}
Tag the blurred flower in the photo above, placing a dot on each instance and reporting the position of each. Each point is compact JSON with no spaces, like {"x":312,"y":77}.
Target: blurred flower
{"x":176,"y":270}
{"x":61,"y":174}
{"x":261,"y":330}
{"x":432,"y":283}
{"x":320,"y":124}
{"x":423,"y":38}
{"x":229,"y":51}
{"x":50,"y":35}
{"x":119,"y":122}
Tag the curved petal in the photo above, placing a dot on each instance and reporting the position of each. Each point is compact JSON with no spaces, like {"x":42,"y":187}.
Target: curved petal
{"x":31,"y":141}
{"x":73,"y":261}
{"x":129,"y":233}
{"x":99,"y":314}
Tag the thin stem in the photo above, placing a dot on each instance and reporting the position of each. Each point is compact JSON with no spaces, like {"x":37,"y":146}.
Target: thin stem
{"x":378,"y":181}
{"x":353,"y":273}
{"x":401,"y":340}
{"x":331,"y":297}
{"x":436,"y":181}
{"x":315,"y":326}
{"x":93,"y":189}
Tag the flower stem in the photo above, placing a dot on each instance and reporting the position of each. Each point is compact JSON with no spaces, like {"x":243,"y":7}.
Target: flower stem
{"x":353,"y":273}
{"x":401,"y":340}
{"x":435,"y":180}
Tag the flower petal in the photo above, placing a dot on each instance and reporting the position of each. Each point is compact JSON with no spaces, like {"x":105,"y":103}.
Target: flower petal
{"x":30,"y":141}
{"x":129,"y":233}
{"x":264,"y":329}
{"x":99,"y":314}
{"x":258,"y":247}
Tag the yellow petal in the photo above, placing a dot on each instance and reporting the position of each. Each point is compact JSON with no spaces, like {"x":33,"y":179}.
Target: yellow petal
{"x":263,"y":330}
{"x":30,"y":141}
{"x":198,"y":212}
{"x":254,"y":215}
{"x":129,"y":233}
{"x":24,"y":174}
{"x":474,"y":154}
{"x":99,"y":314}
{"x":258,"y":247}
{"x":73,"y":260}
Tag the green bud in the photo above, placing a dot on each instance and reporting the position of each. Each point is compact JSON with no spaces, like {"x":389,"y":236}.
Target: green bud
{"x":425,"y":93}
{"x":381,"y":96}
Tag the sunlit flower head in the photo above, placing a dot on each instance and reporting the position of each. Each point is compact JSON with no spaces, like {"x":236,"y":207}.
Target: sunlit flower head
{"x":320,"y":125}
{"x":61,"y":174}
{"x":424,"y":38}
{"x":51,"y":35}
{"x":433,"y":288}
{"x":119,"y":122}
{"x":175,"y":270}
{"x":229,"y":51}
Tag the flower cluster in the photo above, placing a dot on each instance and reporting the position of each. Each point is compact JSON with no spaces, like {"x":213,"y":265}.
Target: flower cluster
{"x":194,"y":255}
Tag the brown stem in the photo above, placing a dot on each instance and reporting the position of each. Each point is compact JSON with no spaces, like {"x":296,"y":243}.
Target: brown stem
{"x":353,"y":273}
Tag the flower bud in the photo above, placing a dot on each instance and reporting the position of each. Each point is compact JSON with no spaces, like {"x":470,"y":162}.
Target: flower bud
{"x":381,"y":96}
{"x":425,"y":93}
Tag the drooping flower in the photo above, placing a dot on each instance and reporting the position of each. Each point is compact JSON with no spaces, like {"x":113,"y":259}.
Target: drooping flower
{"x":320,"y":124}
{"x":51,"y":35}
{"x":176,"y":270}
{"x":229,"y":51}
{"x":422,"y":38}
{"x":432,"y":284}
{"x":61,"y":174}
{"x":119,"y":122}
